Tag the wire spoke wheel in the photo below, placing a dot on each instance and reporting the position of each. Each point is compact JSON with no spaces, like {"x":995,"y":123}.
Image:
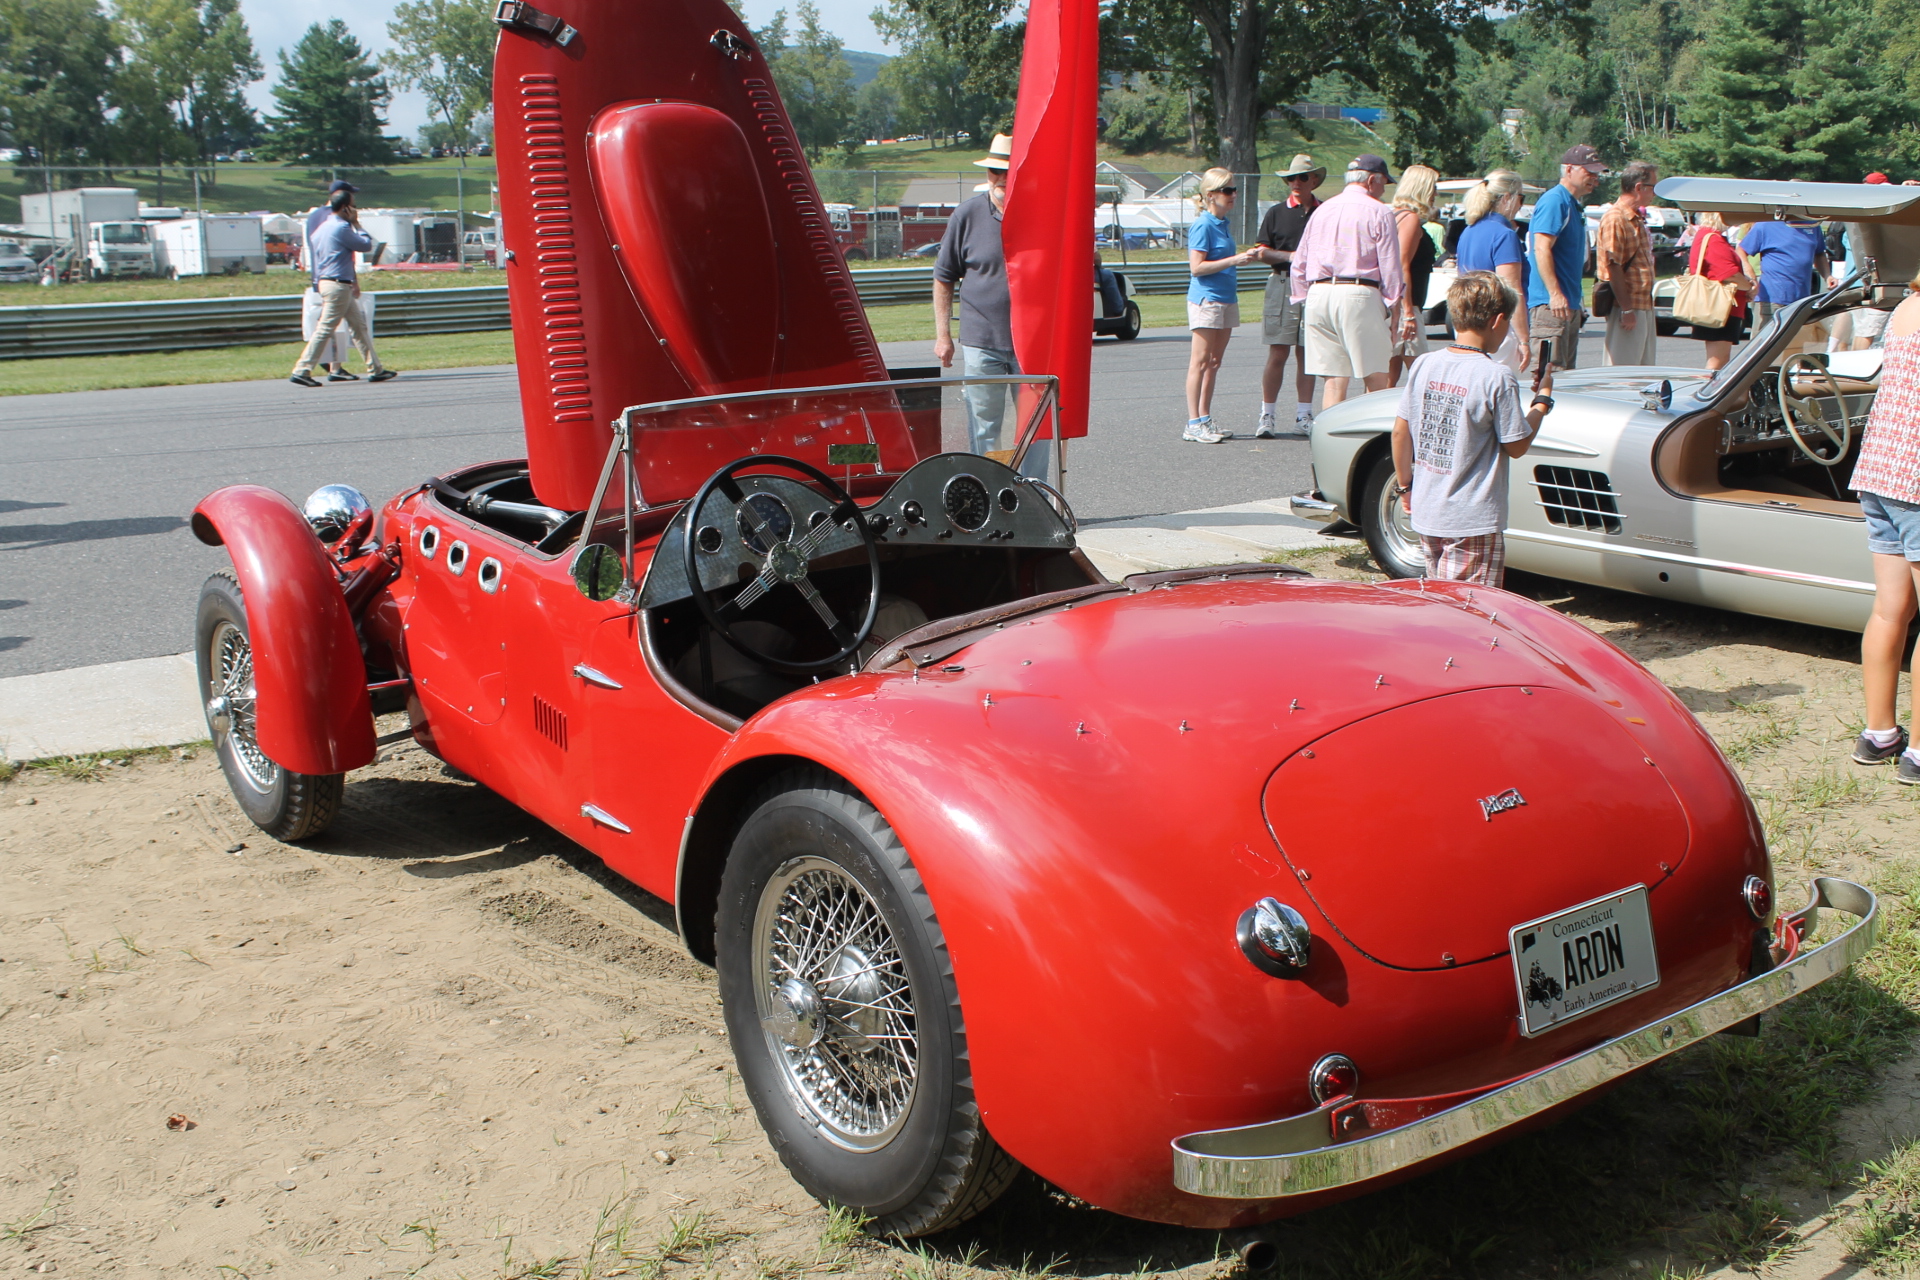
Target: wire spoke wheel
{"x":836,"y":1003}
{"x":231,"y":703}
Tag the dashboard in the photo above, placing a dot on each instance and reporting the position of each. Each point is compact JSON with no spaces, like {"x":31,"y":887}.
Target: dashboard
{"x":1759,"y":424}
{"x":951,"y":500}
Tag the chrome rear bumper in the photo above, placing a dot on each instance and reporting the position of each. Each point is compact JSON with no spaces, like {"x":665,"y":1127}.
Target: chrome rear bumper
{"x":1311,"y":506}
{"x":1301,"y":1154}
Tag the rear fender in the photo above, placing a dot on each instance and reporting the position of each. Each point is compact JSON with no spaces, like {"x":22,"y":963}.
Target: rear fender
{"x":312,"y":712}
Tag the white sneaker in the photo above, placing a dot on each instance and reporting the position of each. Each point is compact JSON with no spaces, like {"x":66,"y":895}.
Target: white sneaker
{"x":1302,"y":426}
{"x":1202,"y":432}
{"x":1266,"y":430}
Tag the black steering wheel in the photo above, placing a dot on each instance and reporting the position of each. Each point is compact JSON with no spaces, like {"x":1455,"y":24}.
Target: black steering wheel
{"x":781,"y":559}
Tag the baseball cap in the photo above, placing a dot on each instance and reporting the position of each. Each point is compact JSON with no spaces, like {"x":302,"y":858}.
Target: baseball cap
{"x":341,"y":184}
{"x":1369,"y":163}
{"x":1876,"y":178}
{"x":1584,"y":157}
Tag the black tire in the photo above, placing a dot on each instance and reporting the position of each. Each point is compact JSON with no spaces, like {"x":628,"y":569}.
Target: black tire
{"x":286,"y":805}
{"x":907,"y":1148}
{"x":1393,"y":543}
{"x":1129,"y":327}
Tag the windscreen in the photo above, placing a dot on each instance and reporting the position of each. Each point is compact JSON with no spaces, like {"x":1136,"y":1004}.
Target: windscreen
{"x":869,"y":429}
{"x":123,"y":233}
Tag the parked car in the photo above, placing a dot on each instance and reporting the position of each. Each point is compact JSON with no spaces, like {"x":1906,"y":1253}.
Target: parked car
{"x":1725,"y":489}
{"x":993,"y":871}
{"x":15,"y":266}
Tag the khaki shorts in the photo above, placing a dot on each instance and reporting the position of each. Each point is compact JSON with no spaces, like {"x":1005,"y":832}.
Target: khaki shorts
{"x":1279,"y":314}
{"x":1213,"y":315}
{"x":1542,"y":325}
{"x":1345,"y":331}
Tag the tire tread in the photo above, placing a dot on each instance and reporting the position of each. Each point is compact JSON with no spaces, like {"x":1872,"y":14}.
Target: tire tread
{"x":974,"y":1170}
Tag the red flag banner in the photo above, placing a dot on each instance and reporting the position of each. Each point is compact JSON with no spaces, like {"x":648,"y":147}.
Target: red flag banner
{"x":1048,"y":227}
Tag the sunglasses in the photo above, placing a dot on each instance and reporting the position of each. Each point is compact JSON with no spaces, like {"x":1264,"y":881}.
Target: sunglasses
{"x":1226,"y":191}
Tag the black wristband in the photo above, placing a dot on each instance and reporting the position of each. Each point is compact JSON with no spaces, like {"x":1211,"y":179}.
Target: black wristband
{"x":1545,"y":400}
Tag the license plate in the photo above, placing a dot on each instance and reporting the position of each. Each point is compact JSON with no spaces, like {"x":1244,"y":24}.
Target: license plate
{"x":1582,"y":959}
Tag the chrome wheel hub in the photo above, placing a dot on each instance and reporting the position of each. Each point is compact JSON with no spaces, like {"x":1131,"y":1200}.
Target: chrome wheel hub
{"x":835,"y":1003}
{"x":230,"y":706}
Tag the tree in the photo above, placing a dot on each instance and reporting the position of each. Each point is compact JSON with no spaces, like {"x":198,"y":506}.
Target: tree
{"x":1790,"y":89}
{"x":330,"y":99}
{"x":876,"y":110}
{"x":58,"y":59}
{"x":815,"y":82}
{"x":182,"y":90}
{"x":959,"y":66}
{"x":1145,"y":117}
{"x":444,"y":48}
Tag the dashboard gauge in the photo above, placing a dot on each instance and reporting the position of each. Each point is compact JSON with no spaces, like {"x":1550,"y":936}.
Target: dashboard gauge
{"x":708,"y":539}
{"x":968,"y":503}
{"x":771,"y":513}
{"x":1009,"y":501}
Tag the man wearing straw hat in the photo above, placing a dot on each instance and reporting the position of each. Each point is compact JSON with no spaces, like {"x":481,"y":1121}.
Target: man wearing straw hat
{"x":1280,"y":318}
{"x":971,"y":249}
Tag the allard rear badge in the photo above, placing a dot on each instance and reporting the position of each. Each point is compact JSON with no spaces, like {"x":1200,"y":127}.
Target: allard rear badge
{"x":1505,"y":800}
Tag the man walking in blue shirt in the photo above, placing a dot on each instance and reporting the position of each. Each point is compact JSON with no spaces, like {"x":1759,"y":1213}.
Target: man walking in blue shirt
{"x":1557,"y":242}
{"x":331,"y":248}
{"x":1788,"y":254}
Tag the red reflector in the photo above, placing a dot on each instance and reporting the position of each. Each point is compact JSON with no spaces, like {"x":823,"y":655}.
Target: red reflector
{"x":1759,"y":897}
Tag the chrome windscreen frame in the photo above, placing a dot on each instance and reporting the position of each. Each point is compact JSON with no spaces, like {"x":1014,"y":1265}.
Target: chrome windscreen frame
{"x":1299,"y":1155}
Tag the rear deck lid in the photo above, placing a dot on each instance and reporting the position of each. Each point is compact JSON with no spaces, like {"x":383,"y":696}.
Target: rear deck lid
{"x":1426,"y":832}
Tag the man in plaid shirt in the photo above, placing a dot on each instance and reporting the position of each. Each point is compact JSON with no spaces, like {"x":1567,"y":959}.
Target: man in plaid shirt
{"x":1623,"y":256}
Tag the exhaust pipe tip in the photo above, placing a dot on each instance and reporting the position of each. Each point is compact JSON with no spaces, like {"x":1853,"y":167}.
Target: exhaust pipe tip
{"x":1257,"y":1252}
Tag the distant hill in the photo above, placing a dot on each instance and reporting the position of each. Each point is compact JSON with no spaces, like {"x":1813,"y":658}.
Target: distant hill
{"x":865,"y":65}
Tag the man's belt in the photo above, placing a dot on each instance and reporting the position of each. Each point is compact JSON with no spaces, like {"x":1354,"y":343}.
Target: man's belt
{"x":1371,"y":284}
{"x":332,"y":280}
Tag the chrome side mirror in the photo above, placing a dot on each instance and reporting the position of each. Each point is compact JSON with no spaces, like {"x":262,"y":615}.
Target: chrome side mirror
{"x":333,"y":509}
{"x":1657,"y":396}
{"x":597,"y":571}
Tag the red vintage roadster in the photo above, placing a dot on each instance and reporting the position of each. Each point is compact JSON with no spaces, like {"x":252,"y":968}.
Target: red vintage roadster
{"x":1209,"y":896}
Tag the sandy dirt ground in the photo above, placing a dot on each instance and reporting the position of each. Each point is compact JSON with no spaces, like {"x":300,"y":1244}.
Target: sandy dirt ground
{"x":443,"y":1041}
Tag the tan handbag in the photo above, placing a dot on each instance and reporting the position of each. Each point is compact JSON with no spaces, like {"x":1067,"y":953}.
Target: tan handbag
{"x":1698,"y":300}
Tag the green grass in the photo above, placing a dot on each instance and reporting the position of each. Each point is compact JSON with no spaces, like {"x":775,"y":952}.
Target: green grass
{"x":277,"y":280}
{"x":240,"y":364}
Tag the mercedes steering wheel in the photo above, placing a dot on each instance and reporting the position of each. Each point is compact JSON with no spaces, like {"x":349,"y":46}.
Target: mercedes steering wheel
{"x":1815,"y":421}
{"x":780,"y":560}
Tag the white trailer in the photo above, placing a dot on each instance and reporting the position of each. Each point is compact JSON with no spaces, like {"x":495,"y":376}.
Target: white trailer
{"x":66,"y":215}
{"x":216,"y":244}
{"x":410,"y":235}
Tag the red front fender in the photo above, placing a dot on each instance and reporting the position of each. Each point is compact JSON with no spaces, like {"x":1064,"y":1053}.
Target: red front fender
{"x":311,"y":684}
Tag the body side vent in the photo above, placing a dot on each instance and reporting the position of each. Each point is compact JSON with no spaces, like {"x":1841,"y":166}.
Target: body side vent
{"x":550,"y":721}
{"x":1577,"y":499}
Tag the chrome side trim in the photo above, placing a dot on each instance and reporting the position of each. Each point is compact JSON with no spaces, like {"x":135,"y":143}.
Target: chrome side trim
{"x":1697,"y":562}
{"x":1298,"y":1155}
{"x":605,"y":819}
{"x":593,"y":676}
{"x":1553,"y":444}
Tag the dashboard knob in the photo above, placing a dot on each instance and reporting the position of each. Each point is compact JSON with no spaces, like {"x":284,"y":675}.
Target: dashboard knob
{"x":910,"y":512}
{"x":879,"y":521}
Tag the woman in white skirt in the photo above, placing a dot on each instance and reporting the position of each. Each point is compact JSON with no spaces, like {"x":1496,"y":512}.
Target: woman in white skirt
{"x":1213,"y":299}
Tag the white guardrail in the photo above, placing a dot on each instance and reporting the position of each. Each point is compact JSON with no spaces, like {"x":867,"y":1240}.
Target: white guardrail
{"x":178,"y":324}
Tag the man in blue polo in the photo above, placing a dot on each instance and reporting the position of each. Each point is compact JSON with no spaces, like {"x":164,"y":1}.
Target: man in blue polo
{"x":1788,"y":253}
{"x":1557,"y":243}
{"x":330,"y":249}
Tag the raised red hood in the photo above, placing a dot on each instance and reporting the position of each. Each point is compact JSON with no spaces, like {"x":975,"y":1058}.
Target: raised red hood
{"x":663,"y":236}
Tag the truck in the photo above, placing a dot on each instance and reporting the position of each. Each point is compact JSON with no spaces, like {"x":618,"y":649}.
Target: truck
{"x":890,"y":231}
{"x":100,"y":228}
{"x":211,"y":244}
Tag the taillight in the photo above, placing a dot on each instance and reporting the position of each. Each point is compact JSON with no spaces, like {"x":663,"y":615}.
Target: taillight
{"x":1334,"y":1076}
{"x":1758,"y":895}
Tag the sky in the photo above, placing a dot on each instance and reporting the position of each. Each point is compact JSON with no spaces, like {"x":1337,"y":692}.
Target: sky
{"x":279,"y":24}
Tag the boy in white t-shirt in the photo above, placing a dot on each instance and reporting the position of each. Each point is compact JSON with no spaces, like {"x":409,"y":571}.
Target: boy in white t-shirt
{"x":1460,"y":420}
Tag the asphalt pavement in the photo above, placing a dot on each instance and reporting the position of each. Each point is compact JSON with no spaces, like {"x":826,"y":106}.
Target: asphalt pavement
{"x":97,"y":563}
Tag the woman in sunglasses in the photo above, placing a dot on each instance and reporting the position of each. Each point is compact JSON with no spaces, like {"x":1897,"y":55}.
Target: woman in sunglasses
{"x":1213,"y":299}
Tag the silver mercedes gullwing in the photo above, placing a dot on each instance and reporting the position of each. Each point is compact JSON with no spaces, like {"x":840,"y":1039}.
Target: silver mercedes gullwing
{"x":1725,"y":489}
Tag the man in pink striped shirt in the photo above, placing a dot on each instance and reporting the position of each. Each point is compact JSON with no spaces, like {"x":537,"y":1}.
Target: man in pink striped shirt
{"x":1347,"y":270}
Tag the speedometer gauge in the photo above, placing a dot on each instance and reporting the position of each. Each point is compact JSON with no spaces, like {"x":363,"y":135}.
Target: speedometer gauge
{"x":968,"y":504}
{"x":770,"y":514}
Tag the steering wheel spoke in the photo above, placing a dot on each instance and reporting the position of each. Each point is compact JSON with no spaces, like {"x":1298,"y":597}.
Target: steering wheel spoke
{"x":788,"y":560}
{"x":1806,"y":418}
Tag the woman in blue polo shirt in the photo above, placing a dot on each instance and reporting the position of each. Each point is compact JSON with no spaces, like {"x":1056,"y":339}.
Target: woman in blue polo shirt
{"x":1492,"y":243}
{"x":1213,"y":299}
